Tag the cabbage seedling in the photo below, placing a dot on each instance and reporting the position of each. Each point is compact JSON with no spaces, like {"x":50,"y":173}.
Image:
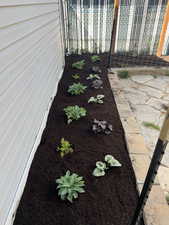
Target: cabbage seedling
{"x":74,"y":113}
{"x":77,"y":89}
{"x":79,"y":64}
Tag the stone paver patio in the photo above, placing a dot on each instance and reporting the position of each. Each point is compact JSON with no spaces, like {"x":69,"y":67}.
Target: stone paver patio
{"x":148,"y":96}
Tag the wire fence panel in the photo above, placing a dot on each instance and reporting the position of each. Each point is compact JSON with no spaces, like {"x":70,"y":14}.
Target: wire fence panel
{"x":139,"y":26}
{"x":88,"y":25}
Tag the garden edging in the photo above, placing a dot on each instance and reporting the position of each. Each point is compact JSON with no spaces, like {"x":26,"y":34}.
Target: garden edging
{"x":156,"y":211}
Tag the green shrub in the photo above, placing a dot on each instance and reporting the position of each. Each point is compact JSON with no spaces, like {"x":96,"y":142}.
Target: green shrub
{"x":74,"y":113}
{"x":70,"y":186}
{"x":79,"y":64}
{"x":95,"y":58}
{"x":64,"y":148}
{"x":93,"y":76}
{"x":123,"y":74}
{"x":76,"y":76}
{"x":98,"y":99}
{"x":151,"y":125}
{"x":77,"y":89}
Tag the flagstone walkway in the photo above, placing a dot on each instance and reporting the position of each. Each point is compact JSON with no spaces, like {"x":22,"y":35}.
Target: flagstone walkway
{"x":148,"y":97}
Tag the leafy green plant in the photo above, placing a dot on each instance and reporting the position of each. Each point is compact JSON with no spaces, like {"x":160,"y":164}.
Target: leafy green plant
{"x":76,"y":76}
{"x":93,"y":76}
{"x":95,"y":58}
{"x":70,"y":186}
{"x":79,"y":64}
{"x":123,"y":74}
{"x":101,"y":167}
{"x":64,"y":148}
{"x":99,"y":171}
{"x":98,"y":99}
{"x":74,"y":113}
{"x":151,"y":125}
{"x":77,"y":89}
{"x":112,"y":162}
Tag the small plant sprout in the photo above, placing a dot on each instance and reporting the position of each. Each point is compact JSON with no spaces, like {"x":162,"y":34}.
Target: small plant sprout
{"x":77,"y":89}
{"x":151,"y":126}
{"x":93,"y":76}
{"x":64,"y":148}
{"x":98,"y":99}
{"x":76,"y":76}
{"x":99,"y":171}
{"x":95,"y":58}
{"x":111,"y":161}
{"x":70,"y":186}
{"x":123,"y":74}
{"x":74,"y":113}
{"x":78,"y":65}
{"x":101,"y":167}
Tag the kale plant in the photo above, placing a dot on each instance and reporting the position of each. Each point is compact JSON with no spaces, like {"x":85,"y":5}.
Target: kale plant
{"x":101,"y":126}
{"x":70,"y":186}
{"x":101,"y":167}
{"x":95,"y":58}
{"x":76,"y":76}
{"x":93,"y":76}
{"x":97,"y":84}
{"x":74,"y":113}
{"x":64,"y":148}
{"x":98,"y":99}
{"x":79,"y":64}
{"x":77,"y":89}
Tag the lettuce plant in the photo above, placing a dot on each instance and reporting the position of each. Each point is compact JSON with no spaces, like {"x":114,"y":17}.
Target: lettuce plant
{"x":98,"y":99}
{"x":77,"y":89}
{"x":101,"y":167}
{"x":95,"y":58}
{"x":76,"y":76}
{"x":79,"y":64}
{"x":70,"y":186}
{"x":93,"y":76}
{"x":64,"y":148}
{"x":74,"y":113}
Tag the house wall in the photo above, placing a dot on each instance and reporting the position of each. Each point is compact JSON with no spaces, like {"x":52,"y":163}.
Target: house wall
{"x":31,"y":64}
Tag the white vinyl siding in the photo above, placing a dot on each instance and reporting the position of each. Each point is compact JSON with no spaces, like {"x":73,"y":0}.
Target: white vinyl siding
{"x":31,"y":64}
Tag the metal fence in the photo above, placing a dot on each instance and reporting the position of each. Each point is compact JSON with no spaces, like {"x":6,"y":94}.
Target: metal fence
{"x":88,"y":26}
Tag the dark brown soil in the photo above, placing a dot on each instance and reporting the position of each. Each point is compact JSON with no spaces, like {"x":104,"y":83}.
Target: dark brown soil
{"x":108,"y":200}
{"x":132,"y":61}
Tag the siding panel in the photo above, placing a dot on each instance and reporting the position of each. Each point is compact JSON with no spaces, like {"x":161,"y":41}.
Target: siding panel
{"x":31,"y":63}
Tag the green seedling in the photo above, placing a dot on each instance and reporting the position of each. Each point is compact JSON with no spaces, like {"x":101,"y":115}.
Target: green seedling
{"x":76,"y":76}
{"x":78,"y":65}
{"x":64,"y":148}
{"x":74,"y":113}
{"x":69,"y":186}
{"x":77,"y":89}
{"x":95,"y":58}
{"x":98,"y":99}
{"x":151,"y":125}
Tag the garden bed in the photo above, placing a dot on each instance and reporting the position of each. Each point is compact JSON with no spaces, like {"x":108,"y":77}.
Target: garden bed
{"x":108,"y":200}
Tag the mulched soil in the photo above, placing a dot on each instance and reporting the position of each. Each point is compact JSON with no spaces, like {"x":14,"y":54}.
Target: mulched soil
{"x":108,"y":200}
{"x":133,"y":61}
